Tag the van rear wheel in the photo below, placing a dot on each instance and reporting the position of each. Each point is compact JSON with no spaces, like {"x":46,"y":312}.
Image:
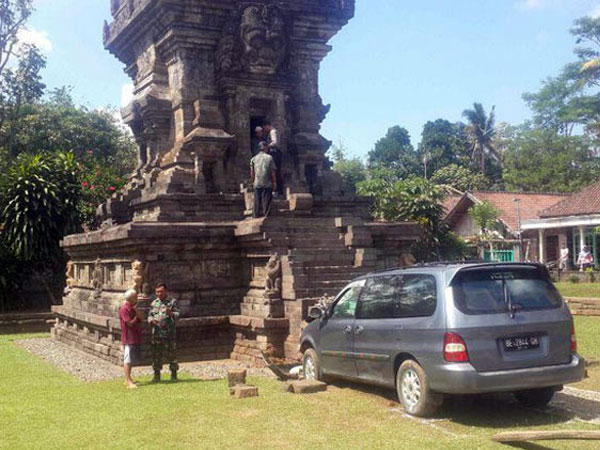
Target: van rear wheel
{"x":535,"y":397}
{"x":414,"y":392}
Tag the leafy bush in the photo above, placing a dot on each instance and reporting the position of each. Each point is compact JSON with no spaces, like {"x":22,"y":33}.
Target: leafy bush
{"x":38,"y":206}
{"x":39,"y":195}
{"x":573,"y":279}
{"x":413,"y":199}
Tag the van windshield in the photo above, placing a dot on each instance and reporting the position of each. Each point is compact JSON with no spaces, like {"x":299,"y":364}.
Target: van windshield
{"x":504,"y":289}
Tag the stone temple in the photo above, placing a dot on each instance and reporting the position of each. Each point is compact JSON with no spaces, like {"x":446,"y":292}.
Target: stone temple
{"x":206,"y":72}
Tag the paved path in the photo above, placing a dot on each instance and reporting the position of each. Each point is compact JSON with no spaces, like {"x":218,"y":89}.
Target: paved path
{"x":90,"y":368}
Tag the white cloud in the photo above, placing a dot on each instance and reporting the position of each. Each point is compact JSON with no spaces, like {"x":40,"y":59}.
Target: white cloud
{"x":595,"y":13}
{"x":126,"y":94}
{"x":536,"y":5}
{"x":39,"y":38}
{"x":530,"y":4}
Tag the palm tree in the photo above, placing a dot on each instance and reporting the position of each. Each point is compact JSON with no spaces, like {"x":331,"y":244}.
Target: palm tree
{"x":481,"y":131}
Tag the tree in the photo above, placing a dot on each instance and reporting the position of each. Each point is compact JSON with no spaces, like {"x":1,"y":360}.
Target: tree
{"x":396,"y":152}
{"x":105,"y":153}
{"x":353,"y":171}
{"x":443,"y":143}
{"x":19,"y":87}
{"x":487,"y":217}
{"x":460,"y":178}
{"x":587,"y":30}
{"x":480,"y":130}
{"x":338,"y":151}
{"x":539,"y":160}
{"x":555,"y":105}
{"x":13,"y":16}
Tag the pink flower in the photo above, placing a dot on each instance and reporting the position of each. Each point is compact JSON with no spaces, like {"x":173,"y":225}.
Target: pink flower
{"x":112,"y":188}
{"x":92,"y":187}
{"x":91,"y":152}
{"x":84,"y":184}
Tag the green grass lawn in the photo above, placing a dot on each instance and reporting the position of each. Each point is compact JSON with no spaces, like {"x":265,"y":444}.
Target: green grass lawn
{"x":43,"y":407}
{"x":588,"y":345}
{"x":568,"y":289}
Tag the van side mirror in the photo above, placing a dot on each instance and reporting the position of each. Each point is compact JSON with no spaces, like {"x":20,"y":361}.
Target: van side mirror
{"x":315,"y":313}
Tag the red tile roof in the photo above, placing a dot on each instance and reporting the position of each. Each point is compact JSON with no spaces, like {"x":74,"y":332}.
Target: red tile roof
{"x":451,"y":201}
{"x":584,"y":202}
{"x":530,"y":204}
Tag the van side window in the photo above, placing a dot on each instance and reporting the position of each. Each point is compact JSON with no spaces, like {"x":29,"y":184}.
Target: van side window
{"x":398,"y":296}
{"x":418,"y":297}
{"x":380,"y":297}
{"x":346,"y":306}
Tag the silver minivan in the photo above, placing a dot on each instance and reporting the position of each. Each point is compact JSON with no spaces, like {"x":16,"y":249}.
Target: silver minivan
{"x":447,"y":329}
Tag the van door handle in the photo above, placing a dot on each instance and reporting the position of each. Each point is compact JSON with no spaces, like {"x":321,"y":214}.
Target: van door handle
{"x":347,"y":329}
{"x":358,"y":330}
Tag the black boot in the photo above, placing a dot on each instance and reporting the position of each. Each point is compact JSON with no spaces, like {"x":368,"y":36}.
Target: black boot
{"x":156,"y":378}
{"x":174,"y":376}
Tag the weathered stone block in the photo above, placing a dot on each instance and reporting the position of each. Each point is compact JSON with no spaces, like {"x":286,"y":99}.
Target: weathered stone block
{"x":236,"y":377}
{"x":308,"y":386}
{"x":244,"y":391}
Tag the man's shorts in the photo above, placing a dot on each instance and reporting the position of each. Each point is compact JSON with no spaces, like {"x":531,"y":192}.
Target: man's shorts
{"x":131,"y":354}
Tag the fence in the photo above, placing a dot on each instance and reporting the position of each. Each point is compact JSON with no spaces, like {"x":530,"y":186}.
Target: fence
{"x":500,"y":256}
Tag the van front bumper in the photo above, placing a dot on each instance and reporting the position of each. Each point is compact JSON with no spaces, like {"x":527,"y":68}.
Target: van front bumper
{"x":464,"y":379}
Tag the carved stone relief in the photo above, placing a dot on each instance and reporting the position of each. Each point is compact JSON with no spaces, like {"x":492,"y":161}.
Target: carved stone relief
{"x":254,"y":40}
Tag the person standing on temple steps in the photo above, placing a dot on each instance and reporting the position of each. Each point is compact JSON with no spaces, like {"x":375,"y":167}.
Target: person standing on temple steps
{"x":262,"y":173}
{"x":272,"y":138}
{"x":162,"y":318}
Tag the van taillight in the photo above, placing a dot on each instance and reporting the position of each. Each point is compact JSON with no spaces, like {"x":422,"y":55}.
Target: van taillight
{"x":573,"y":339}
{"x":455,"y":349}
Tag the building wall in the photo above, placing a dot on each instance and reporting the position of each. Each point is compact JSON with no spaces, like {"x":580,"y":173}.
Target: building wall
{"x":464,"y":225}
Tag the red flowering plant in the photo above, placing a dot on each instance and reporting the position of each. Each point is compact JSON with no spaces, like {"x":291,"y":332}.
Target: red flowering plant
{"x":99,"y":181}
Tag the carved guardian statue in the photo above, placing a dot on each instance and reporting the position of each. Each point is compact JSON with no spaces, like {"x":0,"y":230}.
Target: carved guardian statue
{"x":273,"y":283}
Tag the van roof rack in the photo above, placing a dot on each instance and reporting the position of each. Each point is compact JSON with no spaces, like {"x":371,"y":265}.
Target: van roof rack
{"x":433,"y":264}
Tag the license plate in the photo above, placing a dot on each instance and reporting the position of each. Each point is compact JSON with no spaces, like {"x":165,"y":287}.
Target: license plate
{"x":521,"y":343}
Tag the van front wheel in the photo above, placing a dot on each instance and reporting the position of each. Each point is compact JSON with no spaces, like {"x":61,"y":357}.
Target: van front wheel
{"x":311,"y":365}
{"x":537,"y":398}
{"x":413,"y":390}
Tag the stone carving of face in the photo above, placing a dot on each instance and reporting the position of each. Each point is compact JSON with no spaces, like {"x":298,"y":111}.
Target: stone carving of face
{"x":262,"y":32}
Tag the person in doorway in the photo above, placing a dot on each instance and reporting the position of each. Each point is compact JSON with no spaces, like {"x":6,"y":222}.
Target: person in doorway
{"x":131,"y":335}
{"x":262,"y":173}
{"x":259,"y":136}
{"x":585,"y":259}
{"x":162,"y":317}
{"x":563,"y":262}
{"x":272,"y":138}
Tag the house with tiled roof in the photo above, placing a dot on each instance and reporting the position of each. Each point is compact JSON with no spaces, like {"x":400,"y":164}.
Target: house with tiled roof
{"x":515,"y":208}
{"x":572,"y":222}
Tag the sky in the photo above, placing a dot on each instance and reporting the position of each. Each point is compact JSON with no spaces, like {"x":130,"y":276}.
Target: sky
{"x":398,"y":62}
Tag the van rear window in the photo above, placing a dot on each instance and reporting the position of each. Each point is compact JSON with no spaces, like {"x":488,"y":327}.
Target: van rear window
{"x":502,"y":289}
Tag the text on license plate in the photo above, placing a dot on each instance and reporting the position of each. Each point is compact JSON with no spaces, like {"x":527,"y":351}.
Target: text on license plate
{"x":521,"y":343}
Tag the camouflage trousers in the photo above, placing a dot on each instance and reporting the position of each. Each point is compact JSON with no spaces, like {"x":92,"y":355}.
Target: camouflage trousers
{"x":164,"y":351}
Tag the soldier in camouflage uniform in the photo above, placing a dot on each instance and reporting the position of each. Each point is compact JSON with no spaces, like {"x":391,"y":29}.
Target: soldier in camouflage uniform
{"x":162,"y":318}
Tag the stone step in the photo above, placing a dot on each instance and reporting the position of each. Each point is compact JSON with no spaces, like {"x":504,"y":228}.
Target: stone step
{"x":341,"y":276}
{"x":299,"y":242}
{"x":312,"y":269}
{"x":280,"y":222}
{"x":325,"y":257}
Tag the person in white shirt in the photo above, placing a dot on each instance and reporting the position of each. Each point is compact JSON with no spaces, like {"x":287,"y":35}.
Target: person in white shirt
{"x":272,"y":139}
{"x":563,"y":262}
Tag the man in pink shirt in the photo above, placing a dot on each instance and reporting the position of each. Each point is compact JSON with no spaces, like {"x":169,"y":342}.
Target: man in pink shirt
{"x":131,"y":335}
